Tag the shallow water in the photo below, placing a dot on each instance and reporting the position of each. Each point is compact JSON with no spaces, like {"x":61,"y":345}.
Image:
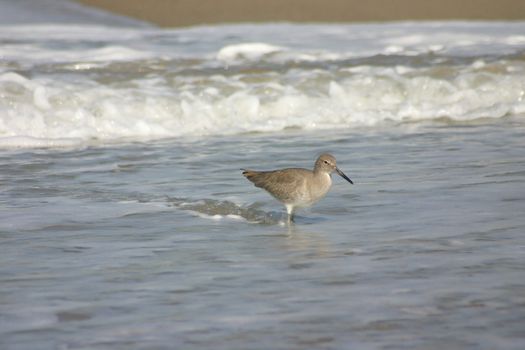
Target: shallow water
{"x":125,"y":222}
{"x":162,"y":245}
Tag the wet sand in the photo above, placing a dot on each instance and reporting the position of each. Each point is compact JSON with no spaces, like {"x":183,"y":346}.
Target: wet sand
{"x":169,"y":13}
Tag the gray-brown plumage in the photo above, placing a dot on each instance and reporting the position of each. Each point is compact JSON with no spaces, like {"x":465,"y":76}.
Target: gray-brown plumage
{"x":297,"y":187}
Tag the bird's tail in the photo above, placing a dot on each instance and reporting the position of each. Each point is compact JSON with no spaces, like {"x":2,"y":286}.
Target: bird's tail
{"x":248,"y":173}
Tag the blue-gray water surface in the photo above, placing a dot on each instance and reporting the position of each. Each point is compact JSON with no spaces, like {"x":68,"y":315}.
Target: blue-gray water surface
{"x":163,"y":245}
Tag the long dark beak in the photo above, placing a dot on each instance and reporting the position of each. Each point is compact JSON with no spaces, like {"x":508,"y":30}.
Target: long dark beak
{"x":343,"y":175}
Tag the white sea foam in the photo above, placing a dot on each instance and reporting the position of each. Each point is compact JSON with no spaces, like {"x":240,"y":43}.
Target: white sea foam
{"x":38,"y":112}
{"x":251,"y":51}
{"x":66,"y":85}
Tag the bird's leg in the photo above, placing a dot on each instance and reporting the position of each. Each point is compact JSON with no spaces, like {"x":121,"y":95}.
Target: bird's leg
{"x":290,"y":212}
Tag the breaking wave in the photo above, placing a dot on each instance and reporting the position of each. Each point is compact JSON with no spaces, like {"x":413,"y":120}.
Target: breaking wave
{"x":54,"y":93}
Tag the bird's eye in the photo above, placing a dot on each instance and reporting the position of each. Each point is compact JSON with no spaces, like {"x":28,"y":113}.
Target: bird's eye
{"x":326,"y":162}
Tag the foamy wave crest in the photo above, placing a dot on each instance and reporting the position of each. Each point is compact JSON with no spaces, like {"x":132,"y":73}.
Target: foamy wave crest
{"x":51,"y":110}
{"x":247,"y":51}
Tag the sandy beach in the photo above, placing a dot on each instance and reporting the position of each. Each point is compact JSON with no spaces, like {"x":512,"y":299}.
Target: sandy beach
{"x":168,"y":13}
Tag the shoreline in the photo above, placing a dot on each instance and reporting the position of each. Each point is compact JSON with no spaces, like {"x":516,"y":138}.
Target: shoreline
{"x":181,"y":13}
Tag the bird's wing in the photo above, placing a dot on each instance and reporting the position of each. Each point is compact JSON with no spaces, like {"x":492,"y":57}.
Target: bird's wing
{"x":281,"y":184}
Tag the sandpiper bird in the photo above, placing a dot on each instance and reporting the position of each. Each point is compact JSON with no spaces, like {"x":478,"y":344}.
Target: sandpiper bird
{"x":297,"y":187}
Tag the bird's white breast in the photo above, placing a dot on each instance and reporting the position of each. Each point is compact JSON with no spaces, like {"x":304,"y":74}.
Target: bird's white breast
{"x":323,"y":182}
